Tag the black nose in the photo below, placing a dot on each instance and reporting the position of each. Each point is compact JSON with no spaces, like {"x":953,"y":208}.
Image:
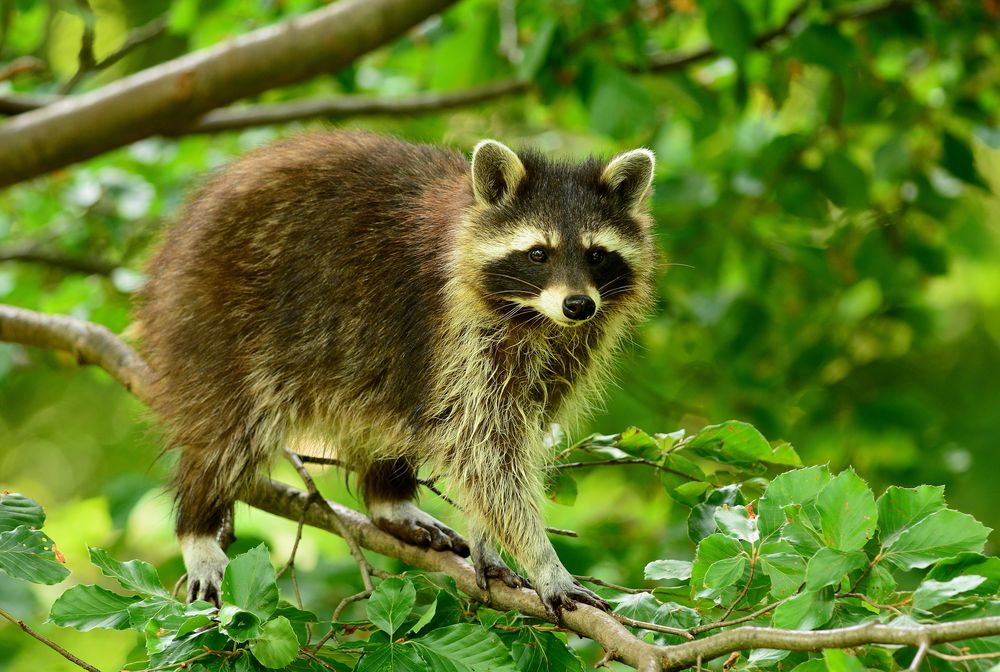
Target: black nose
{"x":579,"y":307}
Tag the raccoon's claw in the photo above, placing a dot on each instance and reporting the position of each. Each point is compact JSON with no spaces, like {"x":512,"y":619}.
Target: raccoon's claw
{"x":199,"y":589}
{"x":485,"y":572}
{"x":566,"y":598}
{"x":408,"y":523}
{"x":206,"y":564}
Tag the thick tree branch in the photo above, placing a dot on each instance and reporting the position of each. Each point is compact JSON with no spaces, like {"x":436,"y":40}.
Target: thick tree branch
{"x":331,"y":107}
{"x":175,"y":93}
{"x":90,"y":343}
{"x":97,"y":345}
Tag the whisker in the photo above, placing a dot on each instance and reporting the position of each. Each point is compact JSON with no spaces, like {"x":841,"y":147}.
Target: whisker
{"x":511,"y":277}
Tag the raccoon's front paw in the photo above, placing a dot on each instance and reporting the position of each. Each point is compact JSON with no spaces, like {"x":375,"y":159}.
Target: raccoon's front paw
{"x":405,"y":521}
{"x":496,"y":568}
{"x":206,"y":563}
{"x":562,"y":591}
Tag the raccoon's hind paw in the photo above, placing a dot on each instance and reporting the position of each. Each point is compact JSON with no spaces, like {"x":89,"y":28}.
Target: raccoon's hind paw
{"x":206,"y":563}
{"x":405,"y":521}
{"x":485,"y":572}
{"x":564,"y":594}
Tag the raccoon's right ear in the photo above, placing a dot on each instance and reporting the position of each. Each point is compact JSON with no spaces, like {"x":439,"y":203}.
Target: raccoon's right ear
{"x":496,"y":172}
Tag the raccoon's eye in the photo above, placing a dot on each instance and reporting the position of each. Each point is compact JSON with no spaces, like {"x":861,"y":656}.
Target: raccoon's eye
{"x":596,"y":257}
{"x":537,"y":255}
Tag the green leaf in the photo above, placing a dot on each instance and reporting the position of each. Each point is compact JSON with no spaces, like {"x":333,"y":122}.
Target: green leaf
{"x":542,"y":651}
{"x":823,"y":45}
{"x":560,"y":487}
{"x":249,"y":583}
{"x":17,"y":510}
{"x":711,"y":550}
{"x":838,"y":660}
{"x":27,"y":554}
{"x":537,"y":51}
{"x":847,"y":512}
{"x":638,"y":443}
{"x":239,"y":624}
{"x":785,"y":568}
{"x":800,"y":486}
{"x":958,"y":159}
{"x":277,"y":646}
{"x":142,"y":612}
{"x":392,"y":656}
{"x":933,"y":593}
{"x":464,"y":647}
{"x":89,"y":607}
{"x":424,"y":619}
{"x":844,"y":182}
{"x":740,"y":443}
{"x":828,"y":567}
{"x":807,"y":611}
{"x":899,"y":508}
{"x":729,"y":27}
{"x":942,"y":534}
{"x":970,"y":564}
{"x":391,"y":603}
{"x":134,"y":575}
{"x":736,"y":522}
{"x":659,"y":570}
{"x":722,"y":575}
{"x":619,"y":105}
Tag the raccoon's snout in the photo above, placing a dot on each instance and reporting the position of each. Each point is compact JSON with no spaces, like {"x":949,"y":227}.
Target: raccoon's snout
{"x":579,"y":307}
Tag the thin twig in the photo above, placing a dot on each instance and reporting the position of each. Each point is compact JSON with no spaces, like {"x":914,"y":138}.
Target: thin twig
{"x":633,"y":623}
{"x":753,"y":562}
{"x":134,"y":39}
{"x":918,"y":657}
{"x":705,"y":627}
{"x":342,"y":529}
{"x":85,"y":59}
{"x":621,"y":460}
{"x":48,"y":642}
{"x":607,"y":584}
{"x":964,"y":656}
{"x":20,"y":66}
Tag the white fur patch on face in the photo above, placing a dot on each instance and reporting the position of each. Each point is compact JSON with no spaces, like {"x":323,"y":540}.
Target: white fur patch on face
{"x":522,"y":240}
{"x":550,"y":304}
{"x":611,"y":241}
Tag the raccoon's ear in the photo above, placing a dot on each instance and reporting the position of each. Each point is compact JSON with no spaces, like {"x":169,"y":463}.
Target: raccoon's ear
{"x":630,"y":176}
{"x":496,"y":172}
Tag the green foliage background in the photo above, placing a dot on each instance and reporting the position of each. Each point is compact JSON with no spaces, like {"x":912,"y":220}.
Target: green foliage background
{"x":824,"y":205}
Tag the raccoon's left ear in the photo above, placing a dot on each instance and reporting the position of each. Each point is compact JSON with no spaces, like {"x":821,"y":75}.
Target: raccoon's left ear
{"x":630,"y":176}
{"x":496,"y":172}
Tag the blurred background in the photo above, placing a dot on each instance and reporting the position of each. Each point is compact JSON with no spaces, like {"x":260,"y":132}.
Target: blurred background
{"x":825,"y":206}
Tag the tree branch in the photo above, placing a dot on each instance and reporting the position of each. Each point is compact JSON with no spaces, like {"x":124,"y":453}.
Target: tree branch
{"x":48,"y":642}
{"x":675,"y":61}
{"x":232,"y":118}
{"x":33,"y":253}
{"x":135,"y":38}
{"x":173,"y":94}
{"x":97,"y":345}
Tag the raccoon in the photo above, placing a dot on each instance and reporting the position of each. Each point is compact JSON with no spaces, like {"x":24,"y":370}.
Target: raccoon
{"x":398,"y":306}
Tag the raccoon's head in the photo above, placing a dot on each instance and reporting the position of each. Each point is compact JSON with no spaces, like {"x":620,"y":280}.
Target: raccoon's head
{"x":558,"y":243}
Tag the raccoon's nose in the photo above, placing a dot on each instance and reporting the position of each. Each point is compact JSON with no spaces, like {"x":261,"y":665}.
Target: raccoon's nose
{"x":579,"y":307}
